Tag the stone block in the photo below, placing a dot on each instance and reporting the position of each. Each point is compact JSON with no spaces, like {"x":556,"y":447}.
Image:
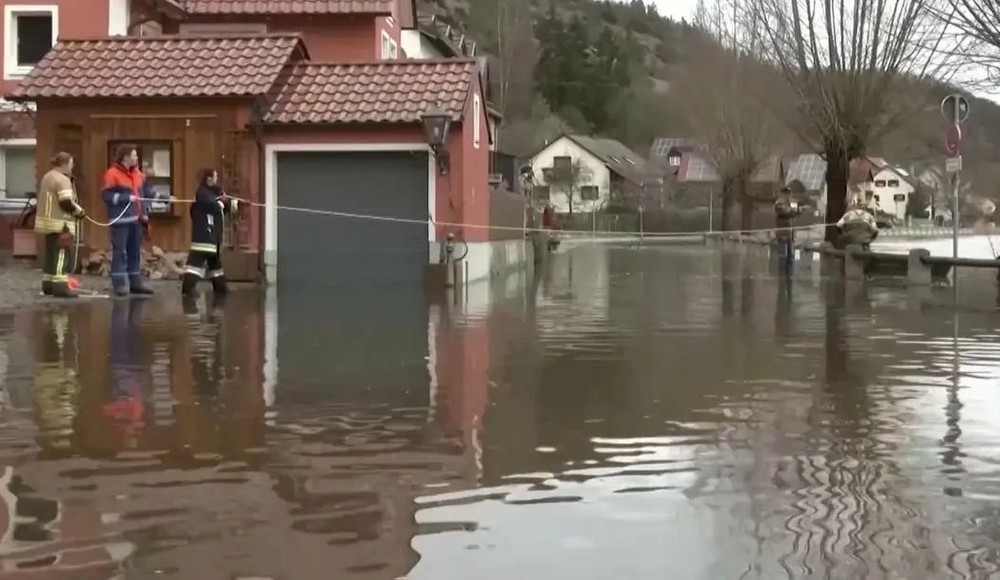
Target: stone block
{"x":917,"y":272}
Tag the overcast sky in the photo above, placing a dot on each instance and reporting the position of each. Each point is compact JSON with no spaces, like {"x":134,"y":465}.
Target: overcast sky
{"x":676,"y":9}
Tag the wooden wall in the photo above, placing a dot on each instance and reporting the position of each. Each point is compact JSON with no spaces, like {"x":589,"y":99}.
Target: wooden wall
{"x":203,"y":132}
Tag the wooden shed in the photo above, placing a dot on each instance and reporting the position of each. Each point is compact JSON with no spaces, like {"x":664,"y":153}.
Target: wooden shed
{"x":186,"y":102}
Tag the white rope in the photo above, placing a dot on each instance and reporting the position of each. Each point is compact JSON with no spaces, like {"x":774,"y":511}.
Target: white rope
{"x":428,"y":222}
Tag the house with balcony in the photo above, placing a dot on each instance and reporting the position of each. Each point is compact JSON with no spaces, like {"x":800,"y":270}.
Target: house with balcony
{"x":360,"y":159}
{"x":581,"y":174}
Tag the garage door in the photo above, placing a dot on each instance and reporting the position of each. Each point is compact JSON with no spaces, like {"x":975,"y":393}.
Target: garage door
{"x":352,"y":318}
{"x":324,"y":251}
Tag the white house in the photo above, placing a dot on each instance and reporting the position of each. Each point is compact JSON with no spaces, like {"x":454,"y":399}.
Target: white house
{"x":890,"y":188}
{"x":598,"y":166}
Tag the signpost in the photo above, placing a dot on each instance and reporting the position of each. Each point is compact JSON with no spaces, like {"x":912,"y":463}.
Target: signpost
{"x":955,"y":110}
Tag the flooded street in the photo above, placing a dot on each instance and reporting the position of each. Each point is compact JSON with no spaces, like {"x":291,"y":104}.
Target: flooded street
{"x":658,"y":412}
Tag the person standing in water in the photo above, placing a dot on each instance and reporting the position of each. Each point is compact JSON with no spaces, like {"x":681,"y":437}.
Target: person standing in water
{"x":784,"y":235}
{"x":208,"y":213}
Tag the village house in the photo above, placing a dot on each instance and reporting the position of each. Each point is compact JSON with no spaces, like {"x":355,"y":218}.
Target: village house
{"x":586,"y":172}
{"x":308,"y":105}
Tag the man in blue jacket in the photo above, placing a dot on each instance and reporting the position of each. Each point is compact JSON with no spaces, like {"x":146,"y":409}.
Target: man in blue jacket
{"x":124,"y":189}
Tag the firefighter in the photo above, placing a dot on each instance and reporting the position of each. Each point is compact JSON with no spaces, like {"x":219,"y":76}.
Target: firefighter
{"x":857,"y":226}
{"x":124,"y":188}
{"x":56,"y":221}
{"x":208,"y":214}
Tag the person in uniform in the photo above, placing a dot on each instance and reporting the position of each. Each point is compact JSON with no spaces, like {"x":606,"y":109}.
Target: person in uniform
{"x":208,"y":214}
{"x":857,"y":225}
{"x":124,"y":188}
{"x":56,"y":221}
{"x":784,"y":235}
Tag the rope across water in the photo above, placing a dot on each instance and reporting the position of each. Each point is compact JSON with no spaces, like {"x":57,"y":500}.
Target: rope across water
{"x":429,"y":222}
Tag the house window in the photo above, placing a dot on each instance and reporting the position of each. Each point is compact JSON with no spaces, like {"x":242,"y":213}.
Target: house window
{"x":589,"y":193}
{"x":675,"y":161}
{"x":389,"y":47}
{"x":477,"y":112}
{"x":893,"y":183}
{"x":880,"y":183}
{"x":156,"y":162}
{"x":899,"y":197}
{"x":562,"y":167}
{"x":30,"y":31}
{"x":541,"y":192}
{"x":17,"y":169}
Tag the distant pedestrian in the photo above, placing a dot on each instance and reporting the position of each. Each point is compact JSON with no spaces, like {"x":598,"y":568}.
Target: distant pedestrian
{"x":208,"y":215}
{"x":58,"y":212}
{"x":124,"y":188}
{"x":785,"y":211}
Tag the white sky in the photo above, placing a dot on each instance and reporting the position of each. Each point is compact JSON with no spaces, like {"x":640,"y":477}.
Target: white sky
{"x":676,"y":9}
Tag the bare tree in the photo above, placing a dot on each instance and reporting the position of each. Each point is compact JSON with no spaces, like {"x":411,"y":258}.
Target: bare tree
{"x":568,"y":180}
{"x":728,"y":93}
{"x":858,"y":70}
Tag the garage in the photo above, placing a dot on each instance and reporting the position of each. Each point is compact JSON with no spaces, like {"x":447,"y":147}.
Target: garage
{"x":350,"y":291}
{"x":323,"y":251}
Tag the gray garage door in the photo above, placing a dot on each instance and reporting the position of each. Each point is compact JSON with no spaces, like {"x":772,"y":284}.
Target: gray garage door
{"x":324,"y":251}
{"x":352,"y":318}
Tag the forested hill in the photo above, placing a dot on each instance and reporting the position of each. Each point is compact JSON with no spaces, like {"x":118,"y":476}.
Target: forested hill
{"x":602,"y":67}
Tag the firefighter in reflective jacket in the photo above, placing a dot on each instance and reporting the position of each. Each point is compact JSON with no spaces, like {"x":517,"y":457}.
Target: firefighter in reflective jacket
{"x":857,"y":226}
{"x":207,"y":225}
{"x":55,"y":220}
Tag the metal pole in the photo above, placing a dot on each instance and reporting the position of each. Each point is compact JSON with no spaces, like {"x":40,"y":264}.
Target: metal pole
{"x":954,"y":217}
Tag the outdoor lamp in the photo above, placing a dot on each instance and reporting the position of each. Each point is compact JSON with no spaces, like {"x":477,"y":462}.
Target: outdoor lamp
{"x":437,"y":121}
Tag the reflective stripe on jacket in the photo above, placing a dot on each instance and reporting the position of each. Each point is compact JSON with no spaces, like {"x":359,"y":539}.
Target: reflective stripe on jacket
{"x":121,"y":192}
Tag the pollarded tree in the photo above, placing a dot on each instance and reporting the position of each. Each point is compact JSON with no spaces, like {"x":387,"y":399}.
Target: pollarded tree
{"x":858,"y":69}
{"x":729,"y":95}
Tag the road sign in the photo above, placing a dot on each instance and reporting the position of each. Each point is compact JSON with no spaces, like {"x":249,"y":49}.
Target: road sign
{"x":955,"y":108}
{"x":953,"y":139}
{"x":953,"y":164}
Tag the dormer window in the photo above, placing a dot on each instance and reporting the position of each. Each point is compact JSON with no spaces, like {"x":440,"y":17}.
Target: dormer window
{"x":390,"y":50}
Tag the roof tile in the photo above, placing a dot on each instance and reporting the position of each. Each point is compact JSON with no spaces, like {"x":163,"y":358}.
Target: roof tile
{"x":384,"y":92}
{"x":160,"y":66}
{"x":288,"y":6}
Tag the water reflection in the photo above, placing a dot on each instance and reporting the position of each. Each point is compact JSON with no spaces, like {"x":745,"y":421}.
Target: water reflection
{"x":630,"y":413}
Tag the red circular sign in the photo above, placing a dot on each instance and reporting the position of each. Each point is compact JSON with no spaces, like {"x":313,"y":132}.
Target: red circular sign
{"x":953,"y":139}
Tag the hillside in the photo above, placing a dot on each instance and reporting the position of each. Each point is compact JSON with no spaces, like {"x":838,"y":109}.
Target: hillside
{"x":608,"y":67}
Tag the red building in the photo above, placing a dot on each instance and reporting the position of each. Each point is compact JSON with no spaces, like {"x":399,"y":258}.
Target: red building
{"x":307,"y":105}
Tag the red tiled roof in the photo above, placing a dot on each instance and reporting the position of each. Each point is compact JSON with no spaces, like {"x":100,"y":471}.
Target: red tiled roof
{"x":384,"y":92}
{"x":288,"y":6}
{"x":160,"y":66}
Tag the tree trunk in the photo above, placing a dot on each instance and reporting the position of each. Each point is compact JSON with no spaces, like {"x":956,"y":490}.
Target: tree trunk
{"x":727,"y":203}
{"x":837,"y":168}
{"x":746,"y":207}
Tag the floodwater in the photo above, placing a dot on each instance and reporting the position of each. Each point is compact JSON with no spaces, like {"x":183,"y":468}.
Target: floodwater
{"x":664,"y":412}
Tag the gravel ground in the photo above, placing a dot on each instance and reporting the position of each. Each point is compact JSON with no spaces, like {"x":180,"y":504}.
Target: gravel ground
{"x":20,"y":286}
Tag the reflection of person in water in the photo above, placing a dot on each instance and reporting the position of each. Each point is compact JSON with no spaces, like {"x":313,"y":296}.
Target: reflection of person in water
{"x":127,"y":370}
{"x":56,"y":381}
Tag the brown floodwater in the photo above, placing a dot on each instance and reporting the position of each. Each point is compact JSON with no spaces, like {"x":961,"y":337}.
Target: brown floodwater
{"x":660,"y":412}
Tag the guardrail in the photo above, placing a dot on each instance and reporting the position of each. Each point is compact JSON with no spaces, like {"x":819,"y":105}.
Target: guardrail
{"x":918,"y":266}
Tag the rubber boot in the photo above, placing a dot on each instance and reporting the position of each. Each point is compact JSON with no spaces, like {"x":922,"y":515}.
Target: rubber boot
{"x":47,"y":287}
{"x":62,"y":290}
{"x":189,"y":283}
{"x":219,"y":285}
{"x":189,"y":303}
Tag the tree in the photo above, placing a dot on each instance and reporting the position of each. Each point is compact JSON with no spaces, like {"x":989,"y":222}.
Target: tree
{"x":505,"y":28}
{"x":728,"y":96}
{"x":858,"y":70}
{"x":567,"y":179}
